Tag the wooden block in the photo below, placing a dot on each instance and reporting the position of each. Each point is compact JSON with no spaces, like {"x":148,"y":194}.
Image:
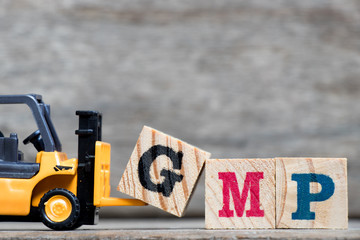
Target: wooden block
{"x":311,"y":193}
{"x":240,"y":193}
{"x":162,"y":171}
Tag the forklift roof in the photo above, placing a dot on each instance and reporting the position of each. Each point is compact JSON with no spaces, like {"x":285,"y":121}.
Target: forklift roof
{"x":41,"y":113}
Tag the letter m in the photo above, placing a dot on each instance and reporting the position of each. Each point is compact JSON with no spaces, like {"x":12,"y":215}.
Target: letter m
{"x":251,"y":184}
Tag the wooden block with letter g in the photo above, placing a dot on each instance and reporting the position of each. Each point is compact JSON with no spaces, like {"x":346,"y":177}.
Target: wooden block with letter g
{"x":162,"y":171}
{"x":311,"y":193}
{"x":240,"y":193}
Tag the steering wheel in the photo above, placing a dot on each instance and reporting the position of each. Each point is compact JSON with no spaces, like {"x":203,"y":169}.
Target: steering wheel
{"x":36,"y":140}
{"x":32,"y":137}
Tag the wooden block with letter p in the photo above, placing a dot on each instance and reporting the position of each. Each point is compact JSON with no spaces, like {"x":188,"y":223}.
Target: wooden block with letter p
{"x":162,"y":171}
{"x":240,"y":193}
{"x":311,"y":193}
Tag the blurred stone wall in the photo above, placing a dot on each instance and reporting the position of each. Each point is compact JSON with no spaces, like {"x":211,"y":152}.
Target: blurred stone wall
{"x":240,"y":79}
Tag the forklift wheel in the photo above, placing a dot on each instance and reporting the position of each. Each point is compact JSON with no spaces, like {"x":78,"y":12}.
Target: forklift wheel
{"x":60,"y":209}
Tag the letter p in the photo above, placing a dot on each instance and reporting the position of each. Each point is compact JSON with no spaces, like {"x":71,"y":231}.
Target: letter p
{"x":304,"y":197}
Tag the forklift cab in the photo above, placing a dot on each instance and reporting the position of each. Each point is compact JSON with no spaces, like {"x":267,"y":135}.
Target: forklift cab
{"x":43,"y":139}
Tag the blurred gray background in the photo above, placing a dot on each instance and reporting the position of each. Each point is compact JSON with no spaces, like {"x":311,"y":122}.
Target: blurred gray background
{"x":240,"y":79}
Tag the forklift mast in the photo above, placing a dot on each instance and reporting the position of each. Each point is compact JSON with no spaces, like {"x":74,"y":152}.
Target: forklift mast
{"x":88,"y":133}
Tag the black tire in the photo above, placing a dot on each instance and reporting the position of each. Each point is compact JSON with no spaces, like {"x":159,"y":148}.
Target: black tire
{"x":71,"y":221}
{"x":76,"y":225}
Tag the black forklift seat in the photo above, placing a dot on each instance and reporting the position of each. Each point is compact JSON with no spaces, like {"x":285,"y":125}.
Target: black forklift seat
{"x":10,"y":160}
{"x":9,"y":148}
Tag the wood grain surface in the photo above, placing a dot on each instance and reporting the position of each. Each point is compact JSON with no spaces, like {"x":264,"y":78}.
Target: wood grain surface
{"x":166,"y":228}
{"x":214,"y":186}
{"x":158,"y":175}
{"x":330,"y":213}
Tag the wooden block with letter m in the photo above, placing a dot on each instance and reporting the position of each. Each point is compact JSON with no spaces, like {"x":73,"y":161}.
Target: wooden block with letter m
{"x":240,"y":193}
{"x":162,"y":171}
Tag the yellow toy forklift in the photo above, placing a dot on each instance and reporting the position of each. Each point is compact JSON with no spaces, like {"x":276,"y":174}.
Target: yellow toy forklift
{"x":62,"y":193}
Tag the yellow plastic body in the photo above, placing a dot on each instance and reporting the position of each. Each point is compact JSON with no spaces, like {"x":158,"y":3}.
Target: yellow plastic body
{"x":56,"y":171}
{"x":17,"y":195}
{"x":102,"y":180}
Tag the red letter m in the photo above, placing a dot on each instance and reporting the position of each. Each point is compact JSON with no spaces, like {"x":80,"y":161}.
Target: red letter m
{"x":251,"y":183}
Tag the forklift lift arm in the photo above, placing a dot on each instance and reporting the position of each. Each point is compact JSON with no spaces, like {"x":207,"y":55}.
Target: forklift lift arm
{"x":102,"y":180}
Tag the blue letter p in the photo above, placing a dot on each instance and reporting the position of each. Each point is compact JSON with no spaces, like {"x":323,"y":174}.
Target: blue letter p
{"x":304,"y":197}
